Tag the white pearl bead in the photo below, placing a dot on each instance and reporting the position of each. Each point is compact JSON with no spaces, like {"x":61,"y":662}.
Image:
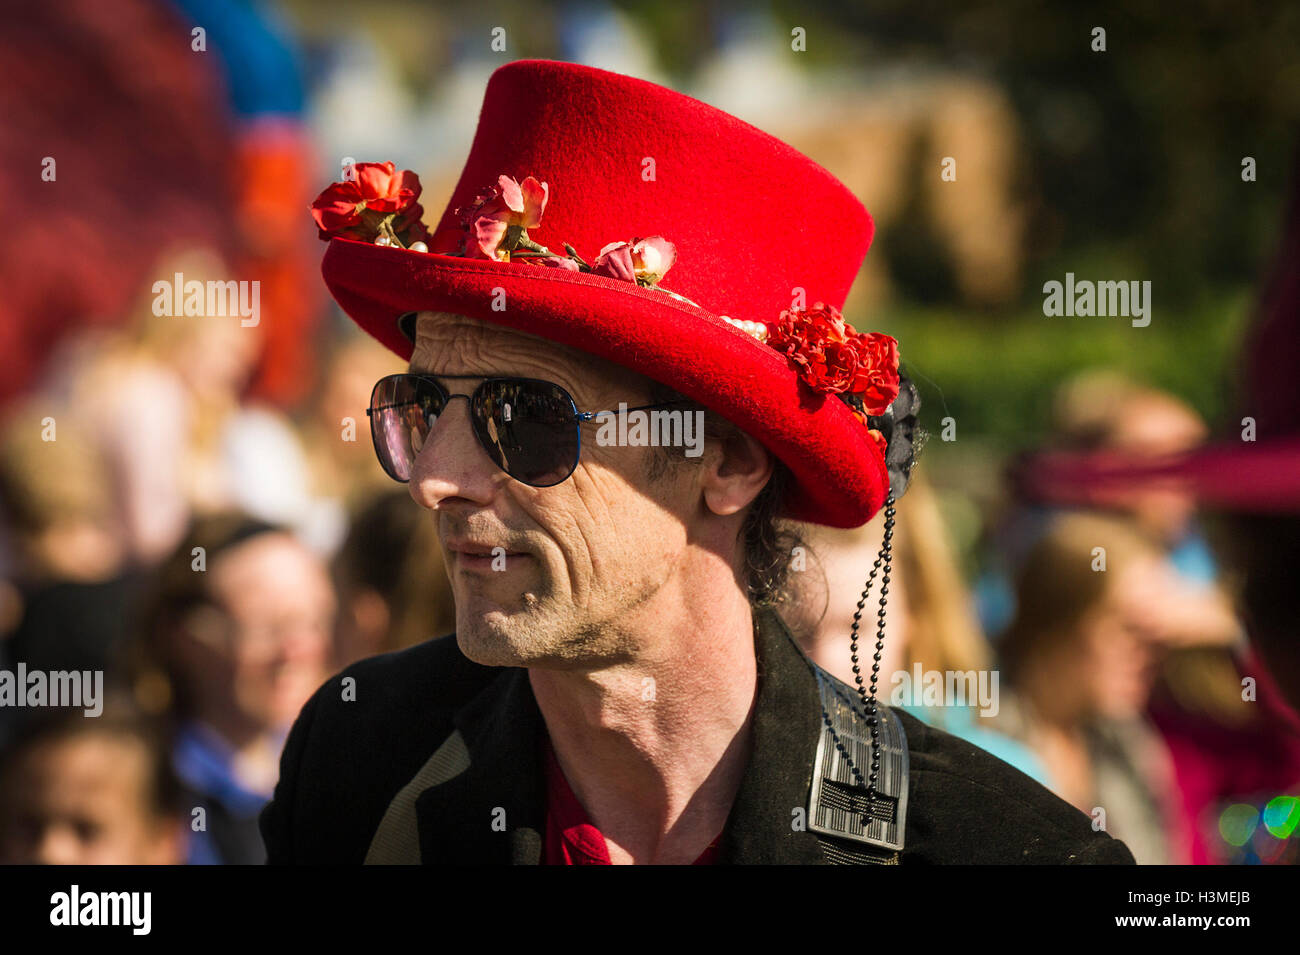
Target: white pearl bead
{"x":419,"y":247}
{"x":383,"y":240}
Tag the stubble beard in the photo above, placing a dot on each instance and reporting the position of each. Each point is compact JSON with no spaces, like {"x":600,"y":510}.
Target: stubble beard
{"x":547,"y":631}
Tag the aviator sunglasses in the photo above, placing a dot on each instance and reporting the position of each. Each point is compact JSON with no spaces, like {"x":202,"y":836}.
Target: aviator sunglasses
{"x":531,"y":429}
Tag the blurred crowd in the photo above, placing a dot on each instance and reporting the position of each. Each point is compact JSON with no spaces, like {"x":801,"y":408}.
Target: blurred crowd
{"x":192,"y":505}
{"x":216,"y":559}
{"x":1127,"y":683}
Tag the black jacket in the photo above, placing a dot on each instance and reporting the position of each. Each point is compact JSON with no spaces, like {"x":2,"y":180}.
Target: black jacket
{"x":349,"y":765}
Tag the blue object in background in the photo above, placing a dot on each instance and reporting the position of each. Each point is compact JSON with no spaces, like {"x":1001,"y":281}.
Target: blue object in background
{"x":257,"y":53}
{"x":1193,"y":559}
{"x":962,"y":721}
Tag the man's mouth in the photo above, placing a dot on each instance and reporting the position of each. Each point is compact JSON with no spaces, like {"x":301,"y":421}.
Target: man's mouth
{"x":475,"y":555}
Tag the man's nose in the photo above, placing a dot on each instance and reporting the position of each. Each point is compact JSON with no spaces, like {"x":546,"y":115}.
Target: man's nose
{"x":452,"y":465}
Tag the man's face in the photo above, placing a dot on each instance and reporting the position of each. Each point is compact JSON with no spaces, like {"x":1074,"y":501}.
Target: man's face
{"x":584,"y":558}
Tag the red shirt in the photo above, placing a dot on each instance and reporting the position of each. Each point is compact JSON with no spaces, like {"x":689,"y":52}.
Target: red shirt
{"x":570,"y":838}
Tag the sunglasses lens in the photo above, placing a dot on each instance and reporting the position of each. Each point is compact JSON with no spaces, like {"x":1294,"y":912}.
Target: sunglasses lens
{"x":529,"y":429}
{"x":402,"y":410}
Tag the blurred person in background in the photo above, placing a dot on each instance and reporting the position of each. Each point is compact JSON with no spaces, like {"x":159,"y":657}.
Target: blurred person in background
{"x":334,"y":428}
{"x":391,"y":580}
{"x":1262,"y":546}
{"x":231,"y":648}
{"x":1231,"y":715}
{"x":931,"y":622}
{"x":82,"y":791}
{"x":158,"y":397}
{"x":1103,"y":411}
{"x":1233,"y":747}
{"x":66,"y":590}
{"x":165,"y":399}
{"x":1081,"y":662}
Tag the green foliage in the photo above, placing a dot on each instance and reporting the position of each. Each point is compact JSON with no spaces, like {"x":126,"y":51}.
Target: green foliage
{"x":996,"y":375}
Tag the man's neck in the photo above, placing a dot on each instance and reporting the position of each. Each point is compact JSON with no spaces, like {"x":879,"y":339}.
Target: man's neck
{"x":655,"y":749}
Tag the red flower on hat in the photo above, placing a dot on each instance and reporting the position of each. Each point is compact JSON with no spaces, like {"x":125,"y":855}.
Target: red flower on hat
{"x":497,"y":220}
{"x":376,"y":200}
{"x":833,"y":358}
{"x":496,"y":227}
{"x":878,"y":386}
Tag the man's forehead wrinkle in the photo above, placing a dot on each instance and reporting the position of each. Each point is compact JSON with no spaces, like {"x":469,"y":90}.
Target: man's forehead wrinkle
{"x":437,"y":339}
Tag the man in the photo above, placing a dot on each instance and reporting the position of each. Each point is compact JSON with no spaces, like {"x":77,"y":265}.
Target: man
{"x":619,"y":688}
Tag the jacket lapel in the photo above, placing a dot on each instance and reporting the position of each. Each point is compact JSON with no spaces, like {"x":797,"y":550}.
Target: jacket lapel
{"x":768,"y":822}
{"x":493,"y":812}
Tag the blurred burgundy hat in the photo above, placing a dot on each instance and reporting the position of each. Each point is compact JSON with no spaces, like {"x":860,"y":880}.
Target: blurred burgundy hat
{"x":1247,"y":476}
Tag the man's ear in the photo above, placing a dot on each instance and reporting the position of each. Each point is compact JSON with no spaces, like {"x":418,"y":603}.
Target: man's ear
{"x":735,"y":476}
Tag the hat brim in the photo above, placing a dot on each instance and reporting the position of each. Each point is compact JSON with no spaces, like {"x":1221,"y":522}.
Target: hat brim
{"x":838,"y":469}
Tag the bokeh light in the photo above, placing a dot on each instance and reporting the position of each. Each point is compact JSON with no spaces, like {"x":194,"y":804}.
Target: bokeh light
{"x":1237,"y":823}
{"x":1281,"y":816}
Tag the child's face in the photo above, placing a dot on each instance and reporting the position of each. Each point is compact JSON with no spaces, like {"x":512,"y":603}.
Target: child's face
{"x":84,"y":801}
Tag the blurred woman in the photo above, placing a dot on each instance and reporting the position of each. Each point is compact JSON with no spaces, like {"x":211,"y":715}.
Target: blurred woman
{"x":235,"y":641}
{"x":1082,"y":659}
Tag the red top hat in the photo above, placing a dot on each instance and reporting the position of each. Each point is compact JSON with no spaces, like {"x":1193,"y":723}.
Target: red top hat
{"x":758,"y":228}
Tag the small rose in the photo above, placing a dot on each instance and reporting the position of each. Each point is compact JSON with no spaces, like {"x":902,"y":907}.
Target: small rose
{"x":615,"y":260}
{"x":497,"y":222}
{"x":644,"y":261}
{"x":355,"y":207}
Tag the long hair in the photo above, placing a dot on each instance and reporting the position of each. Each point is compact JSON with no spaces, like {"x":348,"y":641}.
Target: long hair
{"x":942,"y":630}
{"x":1058,"y":585}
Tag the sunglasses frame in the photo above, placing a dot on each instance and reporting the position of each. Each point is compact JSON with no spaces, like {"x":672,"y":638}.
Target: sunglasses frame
{"x":578,"y":416}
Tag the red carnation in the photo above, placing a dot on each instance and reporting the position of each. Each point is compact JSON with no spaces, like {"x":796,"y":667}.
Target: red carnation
{"x":877,"y":383}
{"x":834,"y":359}
{"x":378,"y":189}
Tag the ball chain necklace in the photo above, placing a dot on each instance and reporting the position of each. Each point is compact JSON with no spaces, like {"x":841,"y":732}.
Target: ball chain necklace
{"x":884,"y":566}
